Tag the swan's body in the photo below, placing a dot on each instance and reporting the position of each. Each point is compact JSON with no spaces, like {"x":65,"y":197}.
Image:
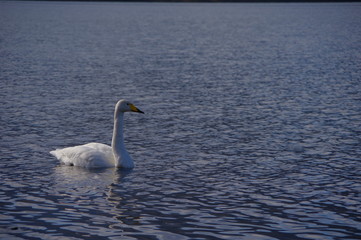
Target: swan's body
{"x":98,"y":155}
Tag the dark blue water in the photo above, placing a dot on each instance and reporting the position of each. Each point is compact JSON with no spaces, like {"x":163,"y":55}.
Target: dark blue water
{"x":252,"y":127}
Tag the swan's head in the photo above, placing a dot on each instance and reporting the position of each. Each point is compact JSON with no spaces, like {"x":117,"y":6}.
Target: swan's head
{"x":125,"y":106}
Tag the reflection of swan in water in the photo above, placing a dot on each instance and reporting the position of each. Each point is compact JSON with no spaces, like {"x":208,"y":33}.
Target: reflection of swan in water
{"x":80,"y":181}
{"x":97,"y":194}
{"x":98,"y":155}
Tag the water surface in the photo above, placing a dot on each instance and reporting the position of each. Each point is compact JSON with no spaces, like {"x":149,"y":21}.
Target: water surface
{"x":252,"y":126}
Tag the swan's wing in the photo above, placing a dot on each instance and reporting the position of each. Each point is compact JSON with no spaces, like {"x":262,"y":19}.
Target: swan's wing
{"x":100,"y":147}
{"x":92,"y":155}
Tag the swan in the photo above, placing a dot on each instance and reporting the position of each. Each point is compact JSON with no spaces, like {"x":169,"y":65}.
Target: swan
{"x":98,"y":155}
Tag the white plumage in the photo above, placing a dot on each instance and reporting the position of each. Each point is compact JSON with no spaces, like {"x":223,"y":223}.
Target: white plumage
{"x":98,"y":155}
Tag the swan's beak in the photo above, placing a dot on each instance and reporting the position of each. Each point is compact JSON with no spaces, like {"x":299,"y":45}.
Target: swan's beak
{"x":135,"y":109}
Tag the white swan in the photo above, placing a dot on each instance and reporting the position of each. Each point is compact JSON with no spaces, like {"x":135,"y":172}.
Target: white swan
{"x":98,"y":155}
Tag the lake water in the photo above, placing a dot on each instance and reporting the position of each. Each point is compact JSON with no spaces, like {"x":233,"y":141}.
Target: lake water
{"x":252,"y":127}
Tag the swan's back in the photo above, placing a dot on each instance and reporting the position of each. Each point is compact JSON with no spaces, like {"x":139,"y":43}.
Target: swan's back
{"x":91,"y":155}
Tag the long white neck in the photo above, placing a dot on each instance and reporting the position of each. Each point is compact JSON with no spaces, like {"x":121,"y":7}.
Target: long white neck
{"x":121,"y":156}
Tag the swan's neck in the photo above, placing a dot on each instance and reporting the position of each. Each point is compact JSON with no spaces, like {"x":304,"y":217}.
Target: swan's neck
{"x":121,"y":156}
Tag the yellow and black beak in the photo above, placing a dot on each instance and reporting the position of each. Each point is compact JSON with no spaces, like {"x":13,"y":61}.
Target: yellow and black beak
{"x":135,"y":109}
